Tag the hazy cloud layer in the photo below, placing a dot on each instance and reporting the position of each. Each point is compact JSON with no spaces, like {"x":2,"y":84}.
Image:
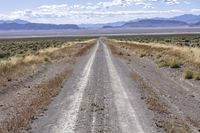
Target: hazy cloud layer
{"x":113,"y":10}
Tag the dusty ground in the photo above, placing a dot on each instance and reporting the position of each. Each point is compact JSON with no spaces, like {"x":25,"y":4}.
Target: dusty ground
{"x":111,"y":90}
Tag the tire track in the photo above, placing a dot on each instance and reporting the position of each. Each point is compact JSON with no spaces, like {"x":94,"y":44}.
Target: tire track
{"x":128,"y":119}
{"x":63,"y":112}
{"x":71,"y":115}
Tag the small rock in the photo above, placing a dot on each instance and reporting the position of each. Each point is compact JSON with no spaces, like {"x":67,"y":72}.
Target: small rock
{"x":142,"y":98}
{"x":120,"y":53}
{"x":158,"y":125}
{"x":9,"y":79}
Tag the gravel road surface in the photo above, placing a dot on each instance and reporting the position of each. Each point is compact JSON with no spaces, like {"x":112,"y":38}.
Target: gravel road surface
{"x":99,"y":97}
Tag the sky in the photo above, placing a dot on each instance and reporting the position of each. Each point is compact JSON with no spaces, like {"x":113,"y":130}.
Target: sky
{"x":94,"y":11}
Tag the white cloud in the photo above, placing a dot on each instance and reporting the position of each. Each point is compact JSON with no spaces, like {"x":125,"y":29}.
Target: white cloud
{"x":195,"y":10}
{"x":124,"y":3}
{"x":92,"y":12}
{"x":80,"y":14}
{"x":171,"y":2}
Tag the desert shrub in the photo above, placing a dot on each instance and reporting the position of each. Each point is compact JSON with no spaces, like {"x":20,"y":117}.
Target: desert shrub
{"x":20,"y":47}
{"x":188,"y":74}
{"x":196,"y":75}
{"x":3,"y":54}
{"x":175,"y":64}
{"x":163,"y":63}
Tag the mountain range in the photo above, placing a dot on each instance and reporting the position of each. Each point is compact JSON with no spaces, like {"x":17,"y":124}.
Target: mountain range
{"x":18,"y":21}
{"x":186,"y":20}
{"x":177,"y":21}
{"x":35,"y":26}
{"x":155,"y":23}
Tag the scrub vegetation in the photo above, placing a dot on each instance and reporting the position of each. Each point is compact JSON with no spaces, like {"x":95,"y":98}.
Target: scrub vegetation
{"x":38,"y":67}
{"x":175,"y":53}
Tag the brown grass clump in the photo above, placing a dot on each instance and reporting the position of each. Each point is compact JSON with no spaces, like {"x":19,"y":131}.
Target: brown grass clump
{"x":196,"y":75}
{"x":175,"y":126}
{"x":189,"y":74}
{"x":174,"y":63}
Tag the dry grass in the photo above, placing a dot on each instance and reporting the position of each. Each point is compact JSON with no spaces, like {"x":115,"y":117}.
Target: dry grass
{"x":15,"y":66}
{"x":166,"y":55}
{"x":189,"y":74}
{"x":171,"y":52}
{"x":173,"y":63}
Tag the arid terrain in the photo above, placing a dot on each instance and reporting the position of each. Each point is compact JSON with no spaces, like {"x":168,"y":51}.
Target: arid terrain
{"x":116,"y":84}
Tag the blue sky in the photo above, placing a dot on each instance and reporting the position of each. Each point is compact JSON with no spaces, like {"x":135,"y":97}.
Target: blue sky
{"x":94,"y":11}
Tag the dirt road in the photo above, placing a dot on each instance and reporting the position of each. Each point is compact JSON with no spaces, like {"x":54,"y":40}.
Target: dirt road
{"x":98,"y":97}
{"x":106,"y":94}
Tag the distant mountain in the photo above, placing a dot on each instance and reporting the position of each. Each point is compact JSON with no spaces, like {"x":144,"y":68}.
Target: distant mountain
{"x":35,"y":26}
{"x":91,"y":26}
{"x":188,"y":18}
{"x":177,"y":21}
{"x":183,"y":20}
{"x":115,"y":24}
{"x":103,"y":25}
{"x":155,"y":23}
{"x":196,"y":24}
{"x":106,"y":27}
{"x":18,"y":21}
